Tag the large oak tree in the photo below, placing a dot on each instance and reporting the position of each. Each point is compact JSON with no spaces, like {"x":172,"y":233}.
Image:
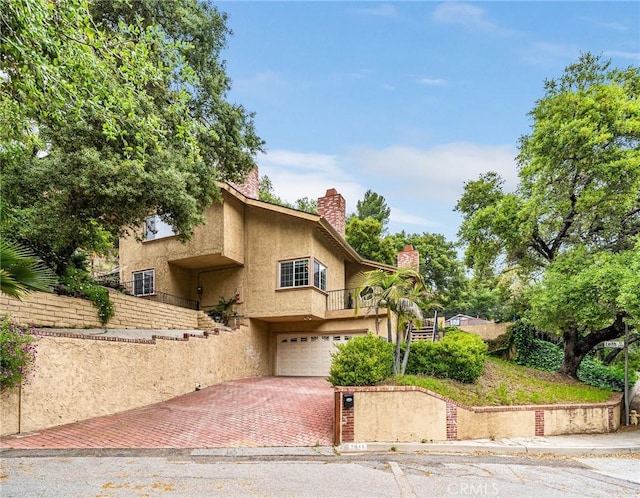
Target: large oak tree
{"x":111,"y":111}
{"x":576,"y":212}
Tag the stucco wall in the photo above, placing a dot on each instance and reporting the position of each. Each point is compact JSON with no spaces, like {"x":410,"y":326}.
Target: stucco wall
{"x":234,"y":238}
{"x":413,"y":414}
{"x":495,"y":424}
{"x":153,"y":254}
{"x":579,"y":419}
{"x":50,"y":310}
{"x":381,"y":416}
{"x":486,"y":331}
{"x":79,"y":378}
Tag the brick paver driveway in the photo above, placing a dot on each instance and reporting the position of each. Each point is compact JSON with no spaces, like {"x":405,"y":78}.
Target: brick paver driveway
{"x":264,"y":411}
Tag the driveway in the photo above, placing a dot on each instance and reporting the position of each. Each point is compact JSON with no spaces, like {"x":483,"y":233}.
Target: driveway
{"x":262,"y":411}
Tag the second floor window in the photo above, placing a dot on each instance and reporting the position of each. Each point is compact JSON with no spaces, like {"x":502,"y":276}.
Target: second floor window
{"x":155,"y":228}
{"x":295,"y":273}
{"x":319,"y":275}
{"x":143,"y":282}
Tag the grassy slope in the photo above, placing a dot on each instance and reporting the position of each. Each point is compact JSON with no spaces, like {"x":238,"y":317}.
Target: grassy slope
{"x":504,"y":383}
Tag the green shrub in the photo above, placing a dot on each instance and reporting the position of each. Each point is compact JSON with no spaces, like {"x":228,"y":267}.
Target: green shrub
{"x":596,"y":373}
{"x":459,"y":356}
{"x":79,"y":283}
{"x":17,"y":353}
{"x":543,"y":355}
{"x":363,"y":361}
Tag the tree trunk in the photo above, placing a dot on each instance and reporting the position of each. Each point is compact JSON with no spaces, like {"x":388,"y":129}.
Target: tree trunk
{"x":396,"y":361}
{"x":572,"y":356}
{"x":406,"y":352}
{"x":576,"y":348}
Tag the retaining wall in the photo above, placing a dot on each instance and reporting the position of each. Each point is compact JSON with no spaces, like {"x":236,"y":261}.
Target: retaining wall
{"x":414,"y":414}
{"x":41,"y":309}
{"x":79,"y":376}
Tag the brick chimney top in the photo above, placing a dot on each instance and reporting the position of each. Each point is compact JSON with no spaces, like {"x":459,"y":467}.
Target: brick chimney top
{"x":409,"y":258}
{"x":251,"y":185}
{"x":332,"y":207}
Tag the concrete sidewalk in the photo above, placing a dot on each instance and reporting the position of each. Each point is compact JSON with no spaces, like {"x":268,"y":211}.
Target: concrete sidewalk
{"x":622,"y":442}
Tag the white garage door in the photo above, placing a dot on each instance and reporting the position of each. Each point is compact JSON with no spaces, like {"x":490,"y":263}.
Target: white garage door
{"x":307,"y":354}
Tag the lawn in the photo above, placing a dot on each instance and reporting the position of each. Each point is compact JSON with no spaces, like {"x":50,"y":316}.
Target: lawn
{"x":505,"y":383}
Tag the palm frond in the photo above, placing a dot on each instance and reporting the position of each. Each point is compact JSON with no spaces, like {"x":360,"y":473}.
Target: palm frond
{"x":21,"y":272}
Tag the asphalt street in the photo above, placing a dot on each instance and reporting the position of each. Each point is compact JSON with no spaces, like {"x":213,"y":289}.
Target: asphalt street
{"x":313,"y":472}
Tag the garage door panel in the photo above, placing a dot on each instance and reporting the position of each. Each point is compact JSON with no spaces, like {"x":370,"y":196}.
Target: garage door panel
{"x":307,"y":354}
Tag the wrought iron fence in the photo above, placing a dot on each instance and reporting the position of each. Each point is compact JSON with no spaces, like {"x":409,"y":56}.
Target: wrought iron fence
{"x":345,"y":299}
{"x":157,"y":296}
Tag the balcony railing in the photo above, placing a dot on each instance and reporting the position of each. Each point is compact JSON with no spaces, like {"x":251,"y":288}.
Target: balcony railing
{"x":157,"y":296}
{"x":345,"y":299}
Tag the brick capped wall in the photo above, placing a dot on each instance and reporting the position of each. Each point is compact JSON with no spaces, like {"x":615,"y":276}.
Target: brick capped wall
{"x":80,"y":376}
{"x":333,"y":208}
{"x":41,"y":309}
{"x":444,"y":418}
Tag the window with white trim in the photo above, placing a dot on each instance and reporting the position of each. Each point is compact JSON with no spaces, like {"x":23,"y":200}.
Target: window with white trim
{"x":295,"y":273}
{"x":144,"y":282}
{"x":319,"y":275}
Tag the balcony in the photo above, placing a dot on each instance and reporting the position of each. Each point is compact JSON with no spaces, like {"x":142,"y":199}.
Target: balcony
{"x":346,"y":299}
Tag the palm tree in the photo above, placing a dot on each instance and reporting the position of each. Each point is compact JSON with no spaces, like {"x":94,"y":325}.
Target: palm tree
{"x":21,"y":272}
{"x":401,"y":293}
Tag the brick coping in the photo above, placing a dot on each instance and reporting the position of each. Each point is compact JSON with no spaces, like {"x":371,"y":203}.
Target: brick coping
{"x":72,"y":335}
{"x":614,"y":400}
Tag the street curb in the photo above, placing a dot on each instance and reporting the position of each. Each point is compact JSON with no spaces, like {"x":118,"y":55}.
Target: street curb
{"x":462,"y":448}
{"x":265,"y":451}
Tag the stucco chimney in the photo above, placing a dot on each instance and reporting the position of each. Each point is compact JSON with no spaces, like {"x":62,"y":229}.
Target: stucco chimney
{"x":409,"y":258}
{"x":333,"y":208}
{"x":251,"y":185}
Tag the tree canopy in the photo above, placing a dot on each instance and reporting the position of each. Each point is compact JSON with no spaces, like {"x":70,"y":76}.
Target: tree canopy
{"x":374,"y":206}
{"x":577,"y":202}
{"x":442,"y":271}
{"x":365,"y":236}
{"x":266,"y":193}
{"x":111,"y":112}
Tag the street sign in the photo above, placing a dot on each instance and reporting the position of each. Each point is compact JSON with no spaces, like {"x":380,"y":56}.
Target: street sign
{"x":613,"y":344}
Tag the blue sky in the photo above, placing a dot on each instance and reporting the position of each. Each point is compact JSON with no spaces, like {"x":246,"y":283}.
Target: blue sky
{"x":408,"y":99}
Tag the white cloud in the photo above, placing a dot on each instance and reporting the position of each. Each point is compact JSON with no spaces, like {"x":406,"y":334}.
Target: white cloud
{"x":622,"y":55}
{"x":467,"y":15}
{"x":550,"y":54}
{"x":417,"y":184}
{"x":400,"y":216}
{"x":438,"y":172}
{"x":616,"y":26}
{"x":307,"y":174}
{"x":433,"y":81}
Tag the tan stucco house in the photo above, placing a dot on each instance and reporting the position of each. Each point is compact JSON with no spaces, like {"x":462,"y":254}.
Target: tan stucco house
{"x":289,"y":272}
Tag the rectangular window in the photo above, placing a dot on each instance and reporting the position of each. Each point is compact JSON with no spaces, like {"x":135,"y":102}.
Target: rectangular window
{"x":143,"y":283}
{"x":295,"y":273}
{"x":155,"y":228}
{"x":319,"y":275}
